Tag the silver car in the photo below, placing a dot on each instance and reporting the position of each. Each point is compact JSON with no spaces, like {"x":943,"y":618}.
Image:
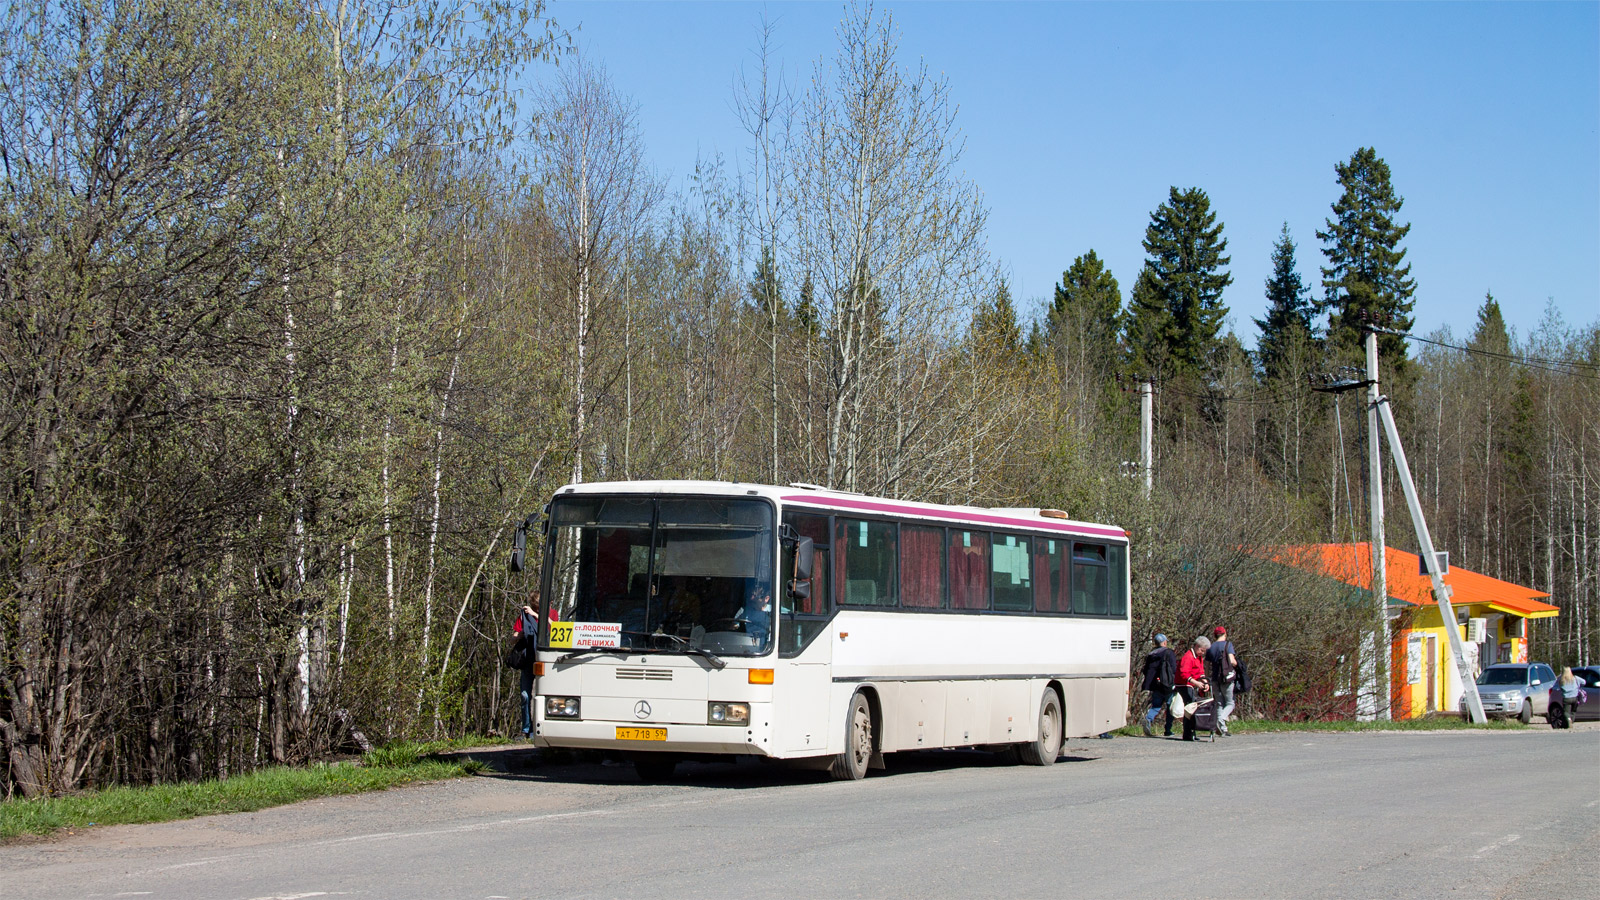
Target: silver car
{"x":1514,"y":689}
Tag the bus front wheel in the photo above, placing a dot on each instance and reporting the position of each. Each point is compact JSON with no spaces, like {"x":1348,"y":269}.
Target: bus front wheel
{"x":1044,"y":750}
{"x":851,"y":765}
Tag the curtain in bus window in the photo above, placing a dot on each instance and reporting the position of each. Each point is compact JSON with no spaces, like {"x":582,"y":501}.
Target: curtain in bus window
{"x":865,"y":562}
{"x":1011,"y":573}
{"x":921,"y":567}
{"x":969,"y":569}
{"x":621,"y":559}
{"x":1049,"y":575}
{"x":816,"y":528}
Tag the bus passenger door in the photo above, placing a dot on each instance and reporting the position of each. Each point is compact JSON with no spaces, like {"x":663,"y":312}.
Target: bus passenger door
{"x":803,"y":680}
{"x":800,"y":699}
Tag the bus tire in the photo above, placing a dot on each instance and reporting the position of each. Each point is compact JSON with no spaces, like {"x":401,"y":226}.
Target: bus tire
{"x":1044,"y":750}
{"x":655,"y":768}
{"x":851,"y":765}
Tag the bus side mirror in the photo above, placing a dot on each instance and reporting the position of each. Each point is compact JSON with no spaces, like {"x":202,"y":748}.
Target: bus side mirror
{"x":800,"y":587}
{"x":519,"y":547}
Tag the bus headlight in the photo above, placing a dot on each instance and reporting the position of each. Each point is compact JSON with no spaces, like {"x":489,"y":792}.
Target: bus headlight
{"x":561,"y":707}
{"x":721,"y":713}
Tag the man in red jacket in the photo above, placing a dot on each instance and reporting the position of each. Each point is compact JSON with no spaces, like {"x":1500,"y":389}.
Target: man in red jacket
{"x":526,"y":631}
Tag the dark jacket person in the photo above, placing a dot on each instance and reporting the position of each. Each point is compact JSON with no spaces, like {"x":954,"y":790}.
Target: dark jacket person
{"x":1160,"y":673}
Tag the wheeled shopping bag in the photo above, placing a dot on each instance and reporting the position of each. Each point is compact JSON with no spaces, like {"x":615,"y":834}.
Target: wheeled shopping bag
{"x":1205,"y":719}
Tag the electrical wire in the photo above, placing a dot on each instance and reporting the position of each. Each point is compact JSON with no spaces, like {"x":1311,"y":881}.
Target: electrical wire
{"x":1559,"y":366}
{"x":1568,"y":367}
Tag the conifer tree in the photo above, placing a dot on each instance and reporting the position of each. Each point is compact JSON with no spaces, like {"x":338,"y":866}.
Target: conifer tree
{"x":806,"y":314}
{"x":1287,"y":331}
{"x":1186,"y":272}
{"x":766,"y":295}
{"x":1490,"y":335}
{"x":994,"y":326}
{"x":1366,"y":275}
{"x":1087,"y":298}
{"x":1147,"y":327}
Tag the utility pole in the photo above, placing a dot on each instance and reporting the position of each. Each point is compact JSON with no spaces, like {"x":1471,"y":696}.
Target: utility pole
{"x":1441,"y":591}
{"x":1145,"y":389}
{"x":1380,"y":687}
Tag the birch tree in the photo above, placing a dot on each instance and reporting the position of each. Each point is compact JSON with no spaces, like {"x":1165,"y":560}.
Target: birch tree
{"x":888,"y":230}
{"x":596,"y":185}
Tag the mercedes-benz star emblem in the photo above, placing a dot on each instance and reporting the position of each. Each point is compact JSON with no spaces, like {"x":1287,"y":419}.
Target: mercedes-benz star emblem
{"x":642,"y":709}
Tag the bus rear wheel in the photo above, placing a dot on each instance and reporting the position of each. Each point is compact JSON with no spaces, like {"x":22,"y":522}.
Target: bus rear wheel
{"x":851,"y":765}
{"x":1044,"y":750}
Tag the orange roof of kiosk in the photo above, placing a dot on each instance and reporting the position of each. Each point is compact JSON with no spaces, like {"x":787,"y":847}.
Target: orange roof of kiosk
{"x":1352,"y":565}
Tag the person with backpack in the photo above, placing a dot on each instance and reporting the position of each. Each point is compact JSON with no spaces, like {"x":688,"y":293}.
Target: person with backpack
{"x":1222,"y":668}
{"x":1160,"y":673}
{"x":526,"y":631}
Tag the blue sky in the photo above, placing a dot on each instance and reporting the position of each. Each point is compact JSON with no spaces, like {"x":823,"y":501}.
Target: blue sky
{"x":1079,"y":116}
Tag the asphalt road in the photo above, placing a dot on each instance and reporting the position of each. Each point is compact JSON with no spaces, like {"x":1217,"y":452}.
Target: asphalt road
{"x":1454,"y":814}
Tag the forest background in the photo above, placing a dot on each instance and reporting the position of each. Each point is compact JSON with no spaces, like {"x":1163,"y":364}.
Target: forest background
{"x":303,"y":310}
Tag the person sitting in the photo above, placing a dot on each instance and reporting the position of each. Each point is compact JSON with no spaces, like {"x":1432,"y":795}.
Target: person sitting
{"x":756,"y":614}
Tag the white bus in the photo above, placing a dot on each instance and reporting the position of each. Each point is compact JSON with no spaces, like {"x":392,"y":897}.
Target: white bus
{"x":692,"y":619}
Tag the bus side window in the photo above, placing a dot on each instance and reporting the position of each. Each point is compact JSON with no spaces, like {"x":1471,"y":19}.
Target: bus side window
{"x":1011,"y":574}
{"x":1089,"y":579}
{"x":1050,"y":575}
{"x":921,"y":567}
{"x":865,"y":558}
{"x":800,"y":624}
{"x":1119,"y":581}
{"x":969,"y":569}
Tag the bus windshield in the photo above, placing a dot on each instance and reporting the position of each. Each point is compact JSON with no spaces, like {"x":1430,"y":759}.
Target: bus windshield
{"x":661,"y":574}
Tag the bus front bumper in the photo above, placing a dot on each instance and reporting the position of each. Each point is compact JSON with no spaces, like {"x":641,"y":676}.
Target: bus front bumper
{"x":647,"y":737}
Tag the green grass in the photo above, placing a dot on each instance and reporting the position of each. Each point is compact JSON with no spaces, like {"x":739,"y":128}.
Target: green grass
{"x":382,"y":768}
{"x":1264,"y":726}
{"x":1440,"y":723}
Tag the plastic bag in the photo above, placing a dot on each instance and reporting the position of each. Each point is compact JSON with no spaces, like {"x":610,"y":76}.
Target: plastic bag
{"x":1175,"y":705}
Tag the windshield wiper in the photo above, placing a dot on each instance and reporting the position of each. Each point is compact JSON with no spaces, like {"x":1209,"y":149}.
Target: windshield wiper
{"x":715,"y":660}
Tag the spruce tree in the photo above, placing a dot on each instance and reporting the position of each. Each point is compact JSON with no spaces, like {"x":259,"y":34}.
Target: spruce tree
{"x":1366,"y":276}
{"x":1147,"y":328}
{"x":1186,"y":269}
{"x":1490,"y":334}
{"x":806,"y":314}
{"x":1087,"y":299}
{"x":1287,"y":332}
{"x":994,"y":326}
{"x":766,"y":295}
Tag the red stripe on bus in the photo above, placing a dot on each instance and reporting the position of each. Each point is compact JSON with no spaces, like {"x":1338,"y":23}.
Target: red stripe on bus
{"x":904,"y":509}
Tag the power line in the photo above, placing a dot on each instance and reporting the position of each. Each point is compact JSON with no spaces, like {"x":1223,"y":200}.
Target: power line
{"x":1559,"y":366}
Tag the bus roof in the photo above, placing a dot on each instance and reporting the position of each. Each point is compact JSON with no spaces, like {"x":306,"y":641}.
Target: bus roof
{"x":821,"y":498}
